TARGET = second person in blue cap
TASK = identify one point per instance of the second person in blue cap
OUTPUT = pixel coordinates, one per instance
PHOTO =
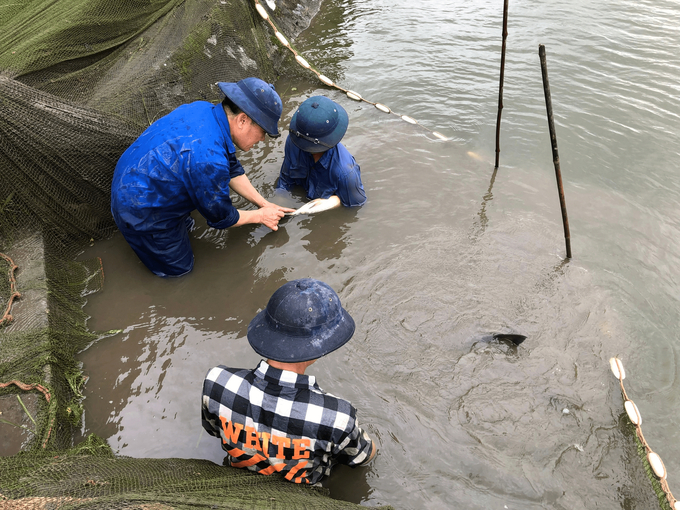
(316, 160)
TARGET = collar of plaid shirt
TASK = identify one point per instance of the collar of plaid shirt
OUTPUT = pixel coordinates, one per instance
(285, 377)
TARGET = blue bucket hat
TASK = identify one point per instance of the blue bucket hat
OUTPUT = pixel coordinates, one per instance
(304, 320)
(258, 100)
(318, 124)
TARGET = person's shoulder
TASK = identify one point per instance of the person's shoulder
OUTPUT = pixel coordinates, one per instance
(337, 404)
(343, 167)
(196, 105)
(339, 415)
(195, 108)
(343, 152)
(221, 373)
(343, 159)
(180, 118)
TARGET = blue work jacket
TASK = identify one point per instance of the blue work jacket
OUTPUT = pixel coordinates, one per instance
(183, 161)
(336, 173)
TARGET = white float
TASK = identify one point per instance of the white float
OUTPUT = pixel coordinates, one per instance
(633, 412)
(261, 11)
(326, 80)
(408, 119)
(617, 368)
(439, 135)
(281, 38)
(382, 108)
(657, 465)
(354, 95)
(302, 61)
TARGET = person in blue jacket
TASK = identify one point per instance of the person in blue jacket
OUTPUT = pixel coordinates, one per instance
(316, 160)
(186, 161)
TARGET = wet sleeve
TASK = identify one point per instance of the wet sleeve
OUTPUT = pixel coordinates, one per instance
(209, 422)
(208, 186)
(356, 448)
(208, 419)
(350, 188)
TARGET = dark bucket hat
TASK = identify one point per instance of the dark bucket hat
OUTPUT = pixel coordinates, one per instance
(318, 124)
(304, 320)
(258, 100)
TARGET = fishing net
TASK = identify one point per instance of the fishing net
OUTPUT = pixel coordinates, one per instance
(91, 477)
(79, 81)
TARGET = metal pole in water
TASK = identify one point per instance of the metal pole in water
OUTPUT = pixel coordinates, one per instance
(553, 141)
(500, 88)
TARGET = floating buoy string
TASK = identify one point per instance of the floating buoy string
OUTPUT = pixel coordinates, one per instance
(635, 417)
(328, 82)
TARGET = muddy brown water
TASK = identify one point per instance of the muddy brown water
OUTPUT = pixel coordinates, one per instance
(441, 256)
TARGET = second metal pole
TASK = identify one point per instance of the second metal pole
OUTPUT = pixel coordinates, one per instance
(500, 87)
(553, 141)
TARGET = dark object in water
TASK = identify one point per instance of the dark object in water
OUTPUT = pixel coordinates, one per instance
(510, 337)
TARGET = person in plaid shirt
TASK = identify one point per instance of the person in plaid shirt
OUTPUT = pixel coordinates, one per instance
(275, 418)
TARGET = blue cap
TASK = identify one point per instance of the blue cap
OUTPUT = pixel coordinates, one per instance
(318, 124)
(258, 100)
(304, 320)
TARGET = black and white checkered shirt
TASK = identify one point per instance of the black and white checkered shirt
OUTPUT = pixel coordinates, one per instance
(273, 420)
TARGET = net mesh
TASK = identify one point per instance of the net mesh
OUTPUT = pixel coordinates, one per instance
(91, 477)
(79, 81)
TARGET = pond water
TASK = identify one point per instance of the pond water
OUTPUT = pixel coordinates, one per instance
(445, 253)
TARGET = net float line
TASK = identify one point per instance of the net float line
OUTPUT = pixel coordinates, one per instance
(328, 82)
(14, 294)
(635, 417)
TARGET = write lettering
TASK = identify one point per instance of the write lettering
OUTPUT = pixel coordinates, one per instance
(261, 441)
(251, 439)
(281, 442)
(300, 448)
(231, 431)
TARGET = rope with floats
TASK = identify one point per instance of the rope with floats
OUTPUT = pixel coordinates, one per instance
(633, 413)
(327, 81)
